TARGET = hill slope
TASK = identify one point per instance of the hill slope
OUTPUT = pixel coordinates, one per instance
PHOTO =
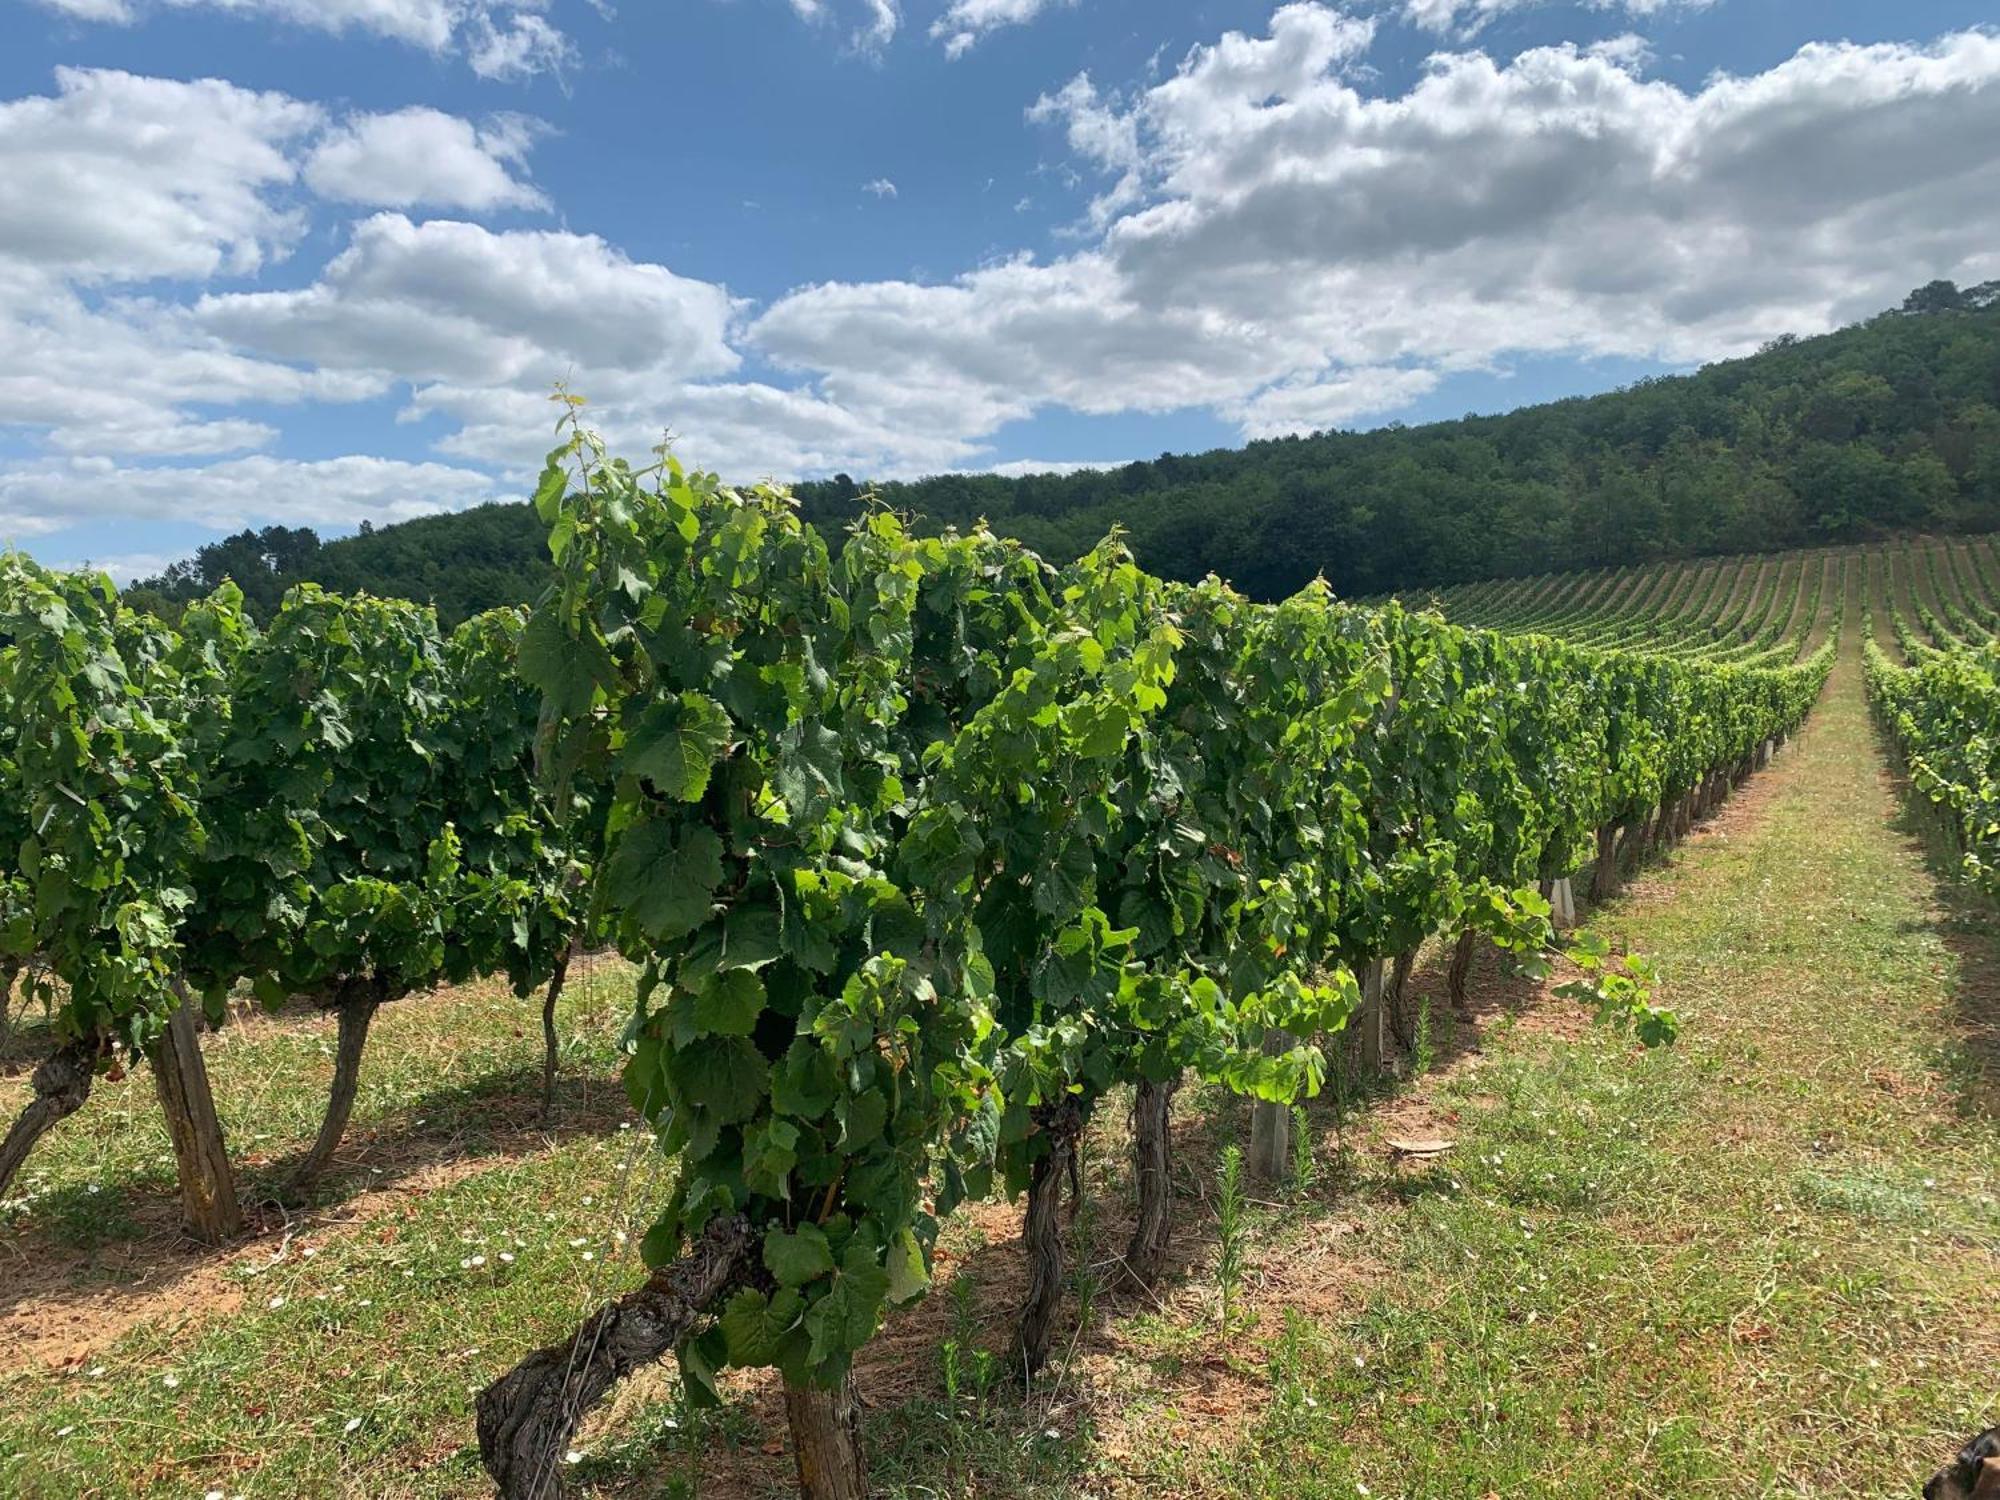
(1886, 426)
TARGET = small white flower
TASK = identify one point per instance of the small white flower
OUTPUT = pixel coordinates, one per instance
(1051, 1433)
(310, 1251)
(479, 1260)
(579, 1243)
(170, 1381)
(213, 1495)
(590, 1255)
(353, 1425)
(572, 1457)
(506, 1258)
(95, 1370)
(275, 1302)
(64, 1431)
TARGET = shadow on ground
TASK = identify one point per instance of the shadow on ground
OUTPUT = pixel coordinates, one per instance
(1968, 924)
(137, 1247)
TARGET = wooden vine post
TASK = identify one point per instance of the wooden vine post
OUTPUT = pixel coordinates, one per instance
(1372, 1044)
(1270, 1157)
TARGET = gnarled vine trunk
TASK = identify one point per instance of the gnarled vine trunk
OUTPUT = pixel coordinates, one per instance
(826, 1441)
(1061, 1125)
(61, 1083)
(550, 1041)
(528, 1416)
(10, 973)
(1460, 972)
(209, 1210)
(1153, 1173)
(1631, 840)
(1604, 875)
(1401, 1022)
(355, 1010)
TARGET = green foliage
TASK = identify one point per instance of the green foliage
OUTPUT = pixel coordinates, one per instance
(1943, 712)
(344, 799)
(103, 803)
(925, 845)
(1305, 1160)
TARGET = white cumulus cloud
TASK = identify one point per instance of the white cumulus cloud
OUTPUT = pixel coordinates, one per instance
(116, 182)
(874, 23)
(1280, 245)
(498, 38)
(1270, 235)
(118, 177)
(424, 156)
(966, 21)
(259, 489)
(1468, 17)
(454, 301)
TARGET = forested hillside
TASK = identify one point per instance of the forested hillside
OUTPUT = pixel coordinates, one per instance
(1890, 425)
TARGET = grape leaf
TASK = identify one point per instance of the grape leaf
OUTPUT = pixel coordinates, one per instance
(676, 743)
(664, 876)
(567, 667)
(798, 1257)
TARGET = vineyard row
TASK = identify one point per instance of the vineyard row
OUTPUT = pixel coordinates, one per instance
(924, 848)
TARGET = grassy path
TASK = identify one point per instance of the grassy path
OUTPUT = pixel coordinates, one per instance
(1765, 1263)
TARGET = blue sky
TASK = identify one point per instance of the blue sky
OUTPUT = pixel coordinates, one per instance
(319, 261)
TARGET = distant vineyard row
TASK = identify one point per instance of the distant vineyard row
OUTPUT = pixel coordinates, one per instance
(1929, 614)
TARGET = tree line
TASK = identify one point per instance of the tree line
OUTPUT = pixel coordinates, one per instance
(1887, 426)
